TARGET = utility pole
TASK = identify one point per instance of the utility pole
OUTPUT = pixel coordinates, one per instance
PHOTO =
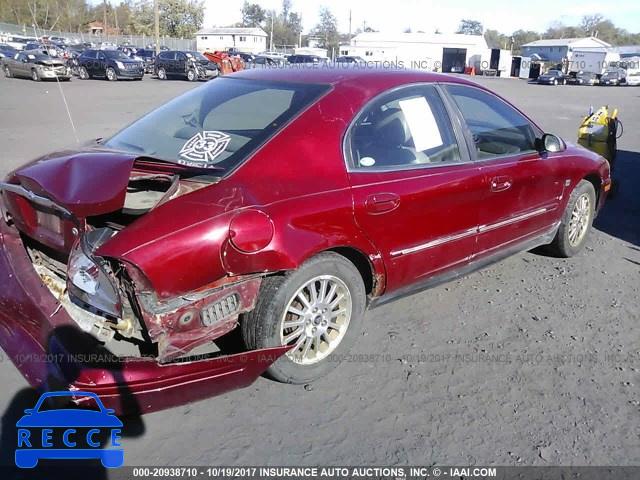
(157, 26)
(104, 19)
(271, 41)
(349, 25)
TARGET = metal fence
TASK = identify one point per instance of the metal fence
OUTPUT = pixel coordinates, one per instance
(139, 41)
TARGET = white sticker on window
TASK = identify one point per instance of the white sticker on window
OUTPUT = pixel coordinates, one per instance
(31, 56)
(204, 147)
(422, 123)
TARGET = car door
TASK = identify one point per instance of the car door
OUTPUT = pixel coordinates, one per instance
(414, 187)
(101, 65)
(523, 189)
(18, 65)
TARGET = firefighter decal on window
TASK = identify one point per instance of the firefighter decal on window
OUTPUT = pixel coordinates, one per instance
(204, 148)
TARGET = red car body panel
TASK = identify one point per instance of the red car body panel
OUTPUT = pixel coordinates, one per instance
(45, 344)
(291, 199)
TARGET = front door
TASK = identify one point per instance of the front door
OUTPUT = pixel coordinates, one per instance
(523, 189)
(414, 187)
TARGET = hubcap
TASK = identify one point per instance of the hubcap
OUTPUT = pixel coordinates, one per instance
(110, 74)
(580, 216)
(316, 319)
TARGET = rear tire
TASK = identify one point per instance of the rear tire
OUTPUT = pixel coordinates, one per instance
(7, 72)
(576, 221)
(339, 303)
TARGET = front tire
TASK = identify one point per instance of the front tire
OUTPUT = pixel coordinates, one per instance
(162, 73)
(576, 221)
(83, 73)
(111, 74)
(192, 76)
(35, 76)
(318, 309)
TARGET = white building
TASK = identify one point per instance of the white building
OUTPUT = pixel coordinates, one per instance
(558, 49)
(420, 50)
(248, 40)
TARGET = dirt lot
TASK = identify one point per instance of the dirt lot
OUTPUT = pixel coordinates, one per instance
(534, 361)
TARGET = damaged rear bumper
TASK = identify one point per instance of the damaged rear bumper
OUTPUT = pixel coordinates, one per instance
(52, 353)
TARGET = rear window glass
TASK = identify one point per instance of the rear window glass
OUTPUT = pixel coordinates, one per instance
(219, 124)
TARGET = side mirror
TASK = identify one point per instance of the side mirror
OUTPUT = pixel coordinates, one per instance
(549, 144)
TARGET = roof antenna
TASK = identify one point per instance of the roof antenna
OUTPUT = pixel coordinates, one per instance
(64, 99)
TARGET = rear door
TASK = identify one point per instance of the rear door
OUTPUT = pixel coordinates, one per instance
(413, 184)
(522, 188)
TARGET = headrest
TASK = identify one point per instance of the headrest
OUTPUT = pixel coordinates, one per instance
(390, 127)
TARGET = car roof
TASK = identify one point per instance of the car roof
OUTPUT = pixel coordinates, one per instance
(336, 75)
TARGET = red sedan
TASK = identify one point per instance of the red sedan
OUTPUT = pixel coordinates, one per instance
(282, 202)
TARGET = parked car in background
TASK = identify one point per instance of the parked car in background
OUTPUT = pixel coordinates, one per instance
(553, 77)
(36, 66)
(246, 57)
(264, 61)
(7, 50)
(585, 78)
(307, 59)
(633, 77)
(184, 64)
(350, 59)
(614, 77)
(148, 57)
(201, 218)
(110, 64)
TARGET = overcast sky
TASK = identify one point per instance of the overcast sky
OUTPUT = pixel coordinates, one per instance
(427, 15)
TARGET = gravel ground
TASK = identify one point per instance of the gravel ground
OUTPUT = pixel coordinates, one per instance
(534, 361)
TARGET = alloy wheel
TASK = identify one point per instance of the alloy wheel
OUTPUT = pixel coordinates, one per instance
(580, 217)
(316, 319)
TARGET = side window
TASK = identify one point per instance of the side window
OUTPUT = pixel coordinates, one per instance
(497, 128)
(405, 128)
(101, 56)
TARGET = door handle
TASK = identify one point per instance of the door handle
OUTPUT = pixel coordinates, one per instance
(501, 183)
(381, 202)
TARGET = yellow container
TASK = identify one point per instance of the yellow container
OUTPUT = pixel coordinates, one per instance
(598, 133)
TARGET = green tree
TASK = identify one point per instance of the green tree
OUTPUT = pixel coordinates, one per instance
(253, 15)
(181, 18)
(327, 29)
(470, 27)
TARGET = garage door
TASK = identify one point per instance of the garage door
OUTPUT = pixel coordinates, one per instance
(453, 57)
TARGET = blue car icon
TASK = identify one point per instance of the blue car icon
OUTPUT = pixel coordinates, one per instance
(38, 429)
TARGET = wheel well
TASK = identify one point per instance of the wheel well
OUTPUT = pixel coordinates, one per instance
(594, 179)
(360, 261)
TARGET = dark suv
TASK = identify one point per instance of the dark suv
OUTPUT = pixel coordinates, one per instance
(297, 59)
(110, 64)
(148, 56)
(185, 64)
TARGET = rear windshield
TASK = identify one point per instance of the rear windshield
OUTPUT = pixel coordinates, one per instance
(219, 124)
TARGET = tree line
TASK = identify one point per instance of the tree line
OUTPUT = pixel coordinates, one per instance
(596, 25)
(178, 18)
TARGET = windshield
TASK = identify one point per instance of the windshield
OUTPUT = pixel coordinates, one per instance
(116, 54)
(198, 56)
(217, 125)
(554, 73)
(610, 74)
